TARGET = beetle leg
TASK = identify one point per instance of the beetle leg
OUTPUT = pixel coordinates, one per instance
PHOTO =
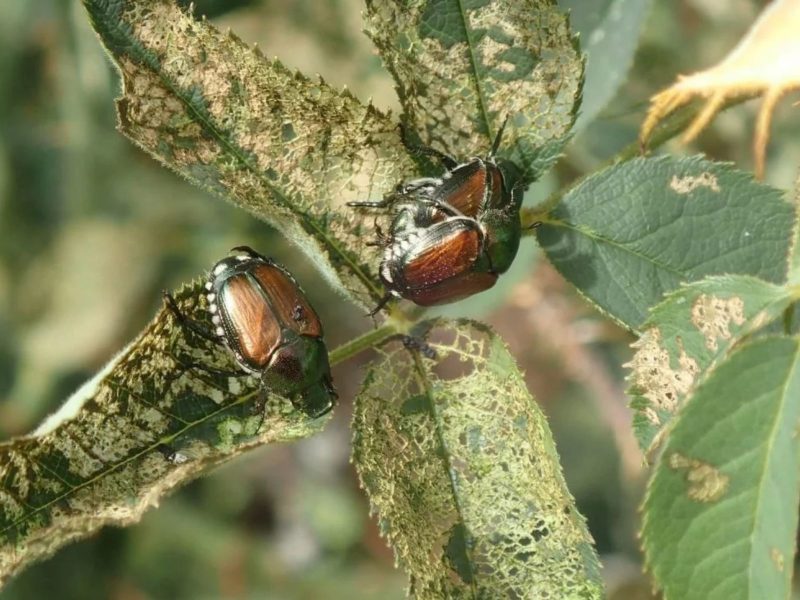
(483, 251)
(498, 137)
(213, 371)
(446, 208)
(372, 203)
(381, 303)
(260, 406)
(412, 342)
(447, 161)
(331, 388)
(184, 321)
(172, 305)
(379, 232)
(382, 240)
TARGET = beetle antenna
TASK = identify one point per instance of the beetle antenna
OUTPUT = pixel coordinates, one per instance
(498, 137)
(172, 306)
(447, 161)
(369, 203)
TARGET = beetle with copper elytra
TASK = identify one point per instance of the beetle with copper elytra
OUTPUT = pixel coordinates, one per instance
(451, 236)
(262, 315)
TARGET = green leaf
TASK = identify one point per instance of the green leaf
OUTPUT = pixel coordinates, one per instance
(460, 466)
(686, 335)
(168, 408)
(794, 258)
(609, 34)
(634, 231)
(720, 518)
(462, 67)
(290, 150)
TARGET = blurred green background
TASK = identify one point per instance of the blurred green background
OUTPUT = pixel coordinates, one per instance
(92, 229)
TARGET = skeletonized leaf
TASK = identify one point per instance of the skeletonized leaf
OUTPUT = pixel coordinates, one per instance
(686, 335)
(169, 407)
(720, 518)
(290, 150)
(461, 67)
(460, 466)
(629, 234)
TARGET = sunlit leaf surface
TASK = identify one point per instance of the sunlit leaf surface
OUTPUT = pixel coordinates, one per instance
(461, 68)
(460, 466)
(720, 518)
(629, 234)
(686, 335)
(169, 407)
(290, 150)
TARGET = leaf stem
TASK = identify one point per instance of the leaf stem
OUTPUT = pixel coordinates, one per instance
(363, 342)
(446, 456)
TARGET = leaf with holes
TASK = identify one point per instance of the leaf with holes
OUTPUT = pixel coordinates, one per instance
(460, 466)
(168, 408)
(629, 234)
(461, 67)
(720, 517)
(686, 335)
(290, 150)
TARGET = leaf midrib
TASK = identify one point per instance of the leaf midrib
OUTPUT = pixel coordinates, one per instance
(234, 150)
(422, 374)
(114, 467)
(474, 63)
(591, 234)
(767, 454)
(277, 193)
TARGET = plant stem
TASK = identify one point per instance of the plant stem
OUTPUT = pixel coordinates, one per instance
(362, 342)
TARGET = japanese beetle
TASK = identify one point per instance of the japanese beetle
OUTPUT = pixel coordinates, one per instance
(451, 236)
(262, 315)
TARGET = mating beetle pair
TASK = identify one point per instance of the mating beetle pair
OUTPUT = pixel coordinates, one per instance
(451, 236)
(262, 315)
